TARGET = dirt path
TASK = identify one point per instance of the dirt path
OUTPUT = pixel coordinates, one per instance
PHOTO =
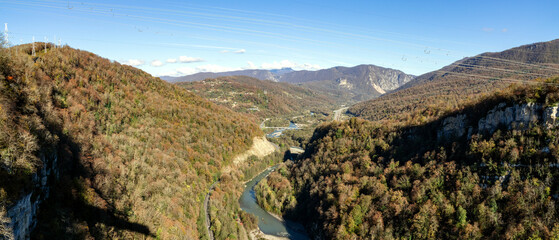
(338, 113)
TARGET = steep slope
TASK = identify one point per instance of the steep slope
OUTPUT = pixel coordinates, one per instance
(486, 171)
(262, 98)
(464, 80)
(135, 155)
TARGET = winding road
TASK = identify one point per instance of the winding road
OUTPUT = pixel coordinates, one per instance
(338, 113)
(206, 203)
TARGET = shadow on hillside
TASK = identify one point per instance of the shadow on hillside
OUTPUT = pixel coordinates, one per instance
(69, 213)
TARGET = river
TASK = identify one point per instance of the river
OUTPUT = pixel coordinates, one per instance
(277, 132)
(267, 223)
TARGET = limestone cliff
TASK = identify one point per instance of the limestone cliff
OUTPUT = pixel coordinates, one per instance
(23, 213)
(515, 116)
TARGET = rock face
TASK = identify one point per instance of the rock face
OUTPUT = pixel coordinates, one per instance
(517, 116)
(550, 116)
(453, 127)
(24, 212)
(261, 147)
(387, 79)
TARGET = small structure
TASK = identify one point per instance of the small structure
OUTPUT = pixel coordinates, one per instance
(294, 152)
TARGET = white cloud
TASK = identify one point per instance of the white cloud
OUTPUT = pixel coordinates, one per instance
(308, 66)
(289, 64)
(240, 51)
(215, 68)
(134, 62)
(185, 59)
(171, 60)
(156, 63)
(250, 65)
(182, 71)
(487, 29)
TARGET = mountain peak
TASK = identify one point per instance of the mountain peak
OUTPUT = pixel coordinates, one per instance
(465, 79)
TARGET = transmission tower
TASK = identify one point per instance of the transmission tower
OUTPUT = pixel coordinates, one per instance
(33, 51)
(46, 40)
(6, 33)
(6, 39)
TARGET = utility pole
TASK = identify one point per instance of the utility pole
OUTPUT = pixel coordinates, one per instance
(6, 33)
(33, 51)
(46, 40)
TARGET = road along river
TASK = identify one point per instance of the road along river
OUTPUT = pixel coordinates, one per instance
(267, 223)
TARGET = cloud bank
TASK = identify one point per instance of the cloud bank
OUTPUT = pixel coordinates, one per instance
(156, 63)
(187, 70)
(134, 62)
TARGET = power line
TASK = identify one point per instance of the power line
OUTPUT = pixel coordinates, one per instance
(234, 29)
(518, 63)
(498, 69)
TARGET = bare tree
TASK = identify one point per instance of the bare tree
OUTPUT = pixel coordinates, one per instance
(5, 231)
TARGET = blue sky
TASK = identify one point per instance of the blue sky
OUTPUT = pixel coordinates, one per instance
(185, 37)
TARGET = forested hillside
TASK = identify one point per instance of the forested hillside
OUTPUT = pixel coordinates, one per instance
(136, 155)
(463, 81)
(260, 97)
(488, 170)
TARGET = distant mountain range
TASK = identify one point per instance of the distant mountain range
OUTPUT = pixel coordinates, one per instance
(464, 81)
(255, 73)
(357, 83)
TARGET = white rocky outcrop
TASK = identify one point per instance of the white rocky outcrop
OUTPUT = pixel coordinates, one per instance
(550, 115)
(23, 213)
(342, 82)
(387, 79)
(517, 116)
(261, 147)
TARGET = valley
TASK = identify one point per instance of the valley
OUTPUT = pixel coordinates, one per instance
(250, 120)
(399, 143)
(243, 196)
